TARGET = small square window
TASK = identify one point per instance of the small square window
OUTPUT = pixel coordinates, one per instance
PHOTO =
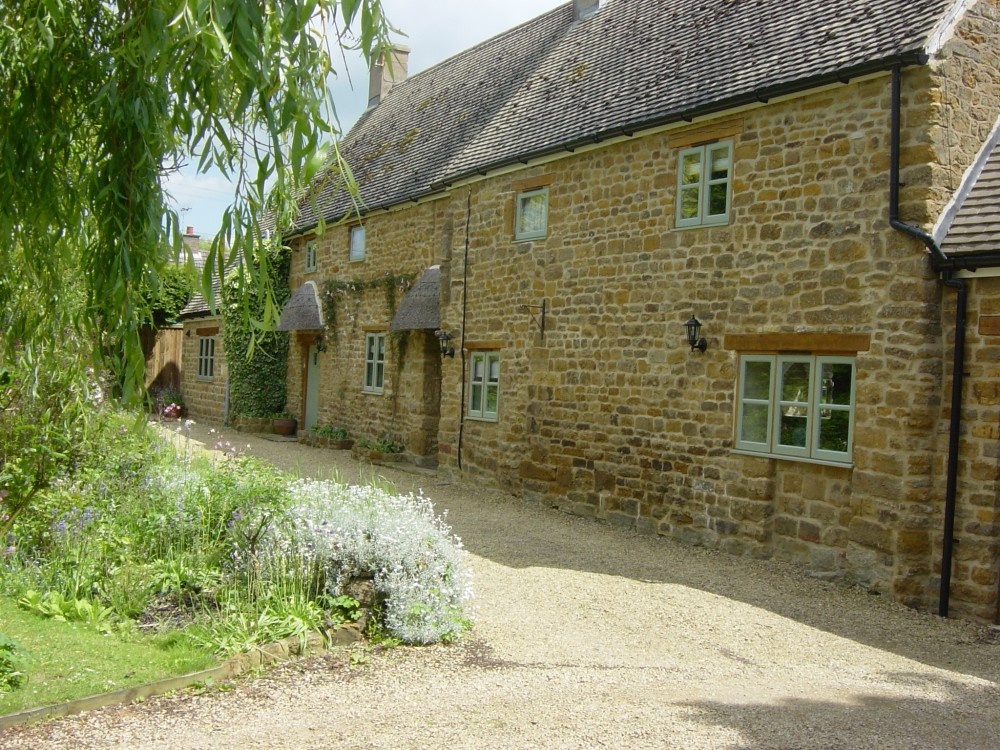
(357, 243)
(374, 363)
(532, 219)
(484, 386)
(704, 184)
(310, 256)
(206, 357)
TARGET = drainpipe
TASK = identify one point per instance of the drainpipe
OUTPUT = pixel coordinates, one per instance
(465, 309)
(941, 264)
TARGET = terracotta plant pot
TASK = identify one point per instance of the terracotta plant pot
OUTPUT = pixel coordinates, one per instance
(284, 426)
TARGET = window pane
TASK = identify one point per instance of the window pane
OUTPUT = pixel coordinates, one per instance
(794, 429)
(381, 347)
(476, 401)
(717, 199)
(691, 168)
(533, 210)
(494, 369)
(477, 367)
(370, 348)
(834, 429)
(357, 243)
(837, 379)
(689, 203)
(795, 382)
(754, 424)
(492, 395)
(719, 158)
(757, 380)
(379, 375)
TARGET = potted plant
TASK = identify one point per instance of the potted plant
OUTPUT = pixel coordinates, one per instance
(170, 403)
(329, 436)
(283, 423)
(384, 450)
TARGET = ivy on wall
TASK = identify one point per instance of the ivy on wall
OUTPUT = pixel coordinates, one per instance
(335, 290)
(257, 360)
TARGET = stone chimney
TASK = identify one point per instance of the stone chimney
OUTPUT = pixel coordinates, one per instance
(585, 8)
(382, 77)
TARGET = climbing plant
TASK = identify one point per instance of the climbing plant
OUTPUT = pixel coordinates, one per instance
(257, 359)
(337, 290)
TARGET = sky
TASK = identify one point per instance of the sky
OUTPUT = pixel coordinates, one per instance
(434, 30)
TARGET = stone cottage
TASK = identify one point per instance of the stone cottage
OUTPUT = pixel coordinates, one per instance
(719, 271)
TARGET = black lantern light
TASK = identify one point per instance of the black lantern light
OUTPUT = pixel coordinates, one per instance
(695, 338)
(447, 350)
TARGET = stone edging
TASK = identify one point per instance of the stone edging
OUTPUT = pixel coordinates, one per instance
(233, 667)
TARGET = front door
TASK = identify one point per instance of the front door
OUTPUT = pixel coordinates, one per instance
(312, 387)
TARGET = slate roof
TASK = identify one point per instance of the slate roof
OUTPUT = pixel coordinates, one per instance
(421, 307)
(198, 307)
(976, 227)
(552, 84)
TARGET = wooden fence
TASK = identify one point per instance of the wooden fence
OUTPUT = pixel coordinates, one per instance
(162, 349)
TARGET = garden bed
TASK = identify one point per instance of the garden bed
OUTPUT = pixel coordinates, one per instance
(318, 441)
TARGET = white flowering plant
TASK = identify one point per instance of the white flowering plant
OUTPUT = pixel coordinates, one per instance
(415, 563)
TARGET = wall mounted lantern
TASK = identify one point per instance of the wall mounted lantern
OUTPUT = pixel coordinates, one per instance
(320, 342)
(695, 338)
(447, 350)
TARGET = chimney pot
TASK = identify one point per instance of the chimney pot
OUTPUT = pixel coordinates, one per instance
(381, 79)
(585, 8)
(190, 230)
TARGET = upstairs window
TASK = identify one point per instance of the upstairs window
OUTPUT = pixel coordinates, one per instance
(484, 386)
(357, 243)
(206, 357)
(310, 256)
(704, 184)
(532, 220)
(796, 406)
(374, 363)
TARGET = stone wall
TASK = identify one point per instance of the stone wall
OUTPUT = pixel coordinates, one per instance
(976, 569)
(204, 399)
(398, 243)
(609, 415)
(966, 80)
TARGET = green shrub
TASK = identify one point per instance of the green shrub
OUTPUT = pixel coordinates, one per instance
(416, 565)
(256, 359)
(13, 664)
(330, 432)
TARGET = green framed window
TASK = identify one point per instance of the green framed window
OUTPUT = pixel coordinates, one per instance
(796, 406)
(484, 386)
(206, 357)
(310, 256)
(358, 249)
(532, 220)
(704, 184)
(374, 363)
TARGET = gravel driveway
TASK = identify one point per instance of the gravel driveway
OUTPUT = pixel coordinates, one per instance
(591, 637)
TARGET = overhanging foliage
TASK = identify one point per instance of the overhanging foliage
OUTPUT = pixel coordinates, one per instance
(103, 98)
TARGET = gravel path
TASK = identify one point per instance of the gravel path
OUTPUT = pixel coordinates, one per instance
(591, 637)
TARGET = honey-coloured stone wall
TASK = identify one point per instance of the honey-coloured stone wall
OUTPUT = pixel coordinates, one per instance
(204, 399)
(398, 244)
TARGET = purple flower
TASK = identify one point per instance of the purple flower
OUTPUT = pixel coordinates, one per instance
(8, 551)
